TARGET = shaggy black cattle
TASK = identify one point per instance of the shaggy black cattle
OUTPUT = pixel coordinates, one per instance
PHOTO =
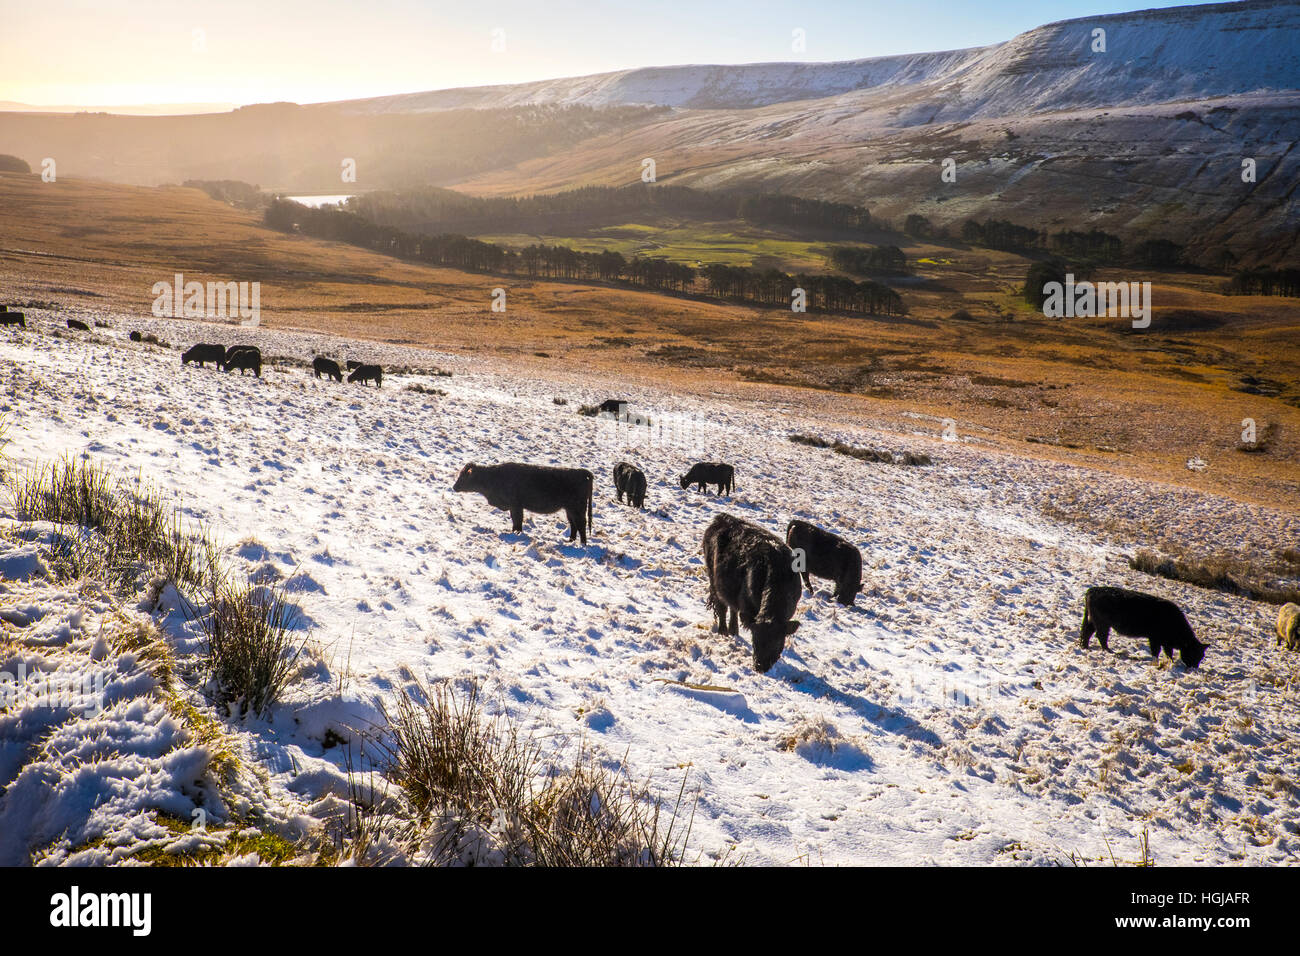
(136, 337)
(78, 326)
(629, 480)
(751, 575)
(13, 318)
(610, 406)
(367, 373)
(320, 365)
(518, 488)
(707, 473)
(827, 556)
(204, 352)
(1135, 614)
(246, 358)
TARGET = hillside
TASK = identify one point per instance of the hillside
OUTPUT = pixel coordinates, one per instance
(1198, 52)
(1087, 391)
(949, 717)
(1144, 140)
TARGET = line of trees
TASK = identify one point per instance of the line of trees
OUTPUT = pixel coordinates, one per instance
(1094, 247)
(876, 261)
(436, 209)
(824, 293)
(1264, 282)
(763, 286)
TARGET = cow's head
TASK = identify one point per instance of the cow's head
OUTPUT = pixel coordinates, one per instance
(851, 585)
(769, 641)
(467, 480)
(1192, 653)
(684, 480)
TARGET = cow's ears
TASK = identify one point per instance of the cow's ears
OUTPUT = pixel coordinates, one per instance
(791, 627)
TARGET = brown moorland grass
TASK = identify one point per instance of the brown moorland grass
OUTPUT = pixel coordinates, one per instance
(1088, 391)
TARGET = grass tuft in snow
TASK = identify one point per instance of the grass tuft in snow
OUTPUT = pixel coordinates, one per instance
(112, 529)
(862, 454)
(481, 791)
(1226, 573)
(252, 651)
(123, 533)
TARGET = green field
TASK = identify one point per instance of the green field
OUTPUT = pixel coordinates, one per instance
(730, 242)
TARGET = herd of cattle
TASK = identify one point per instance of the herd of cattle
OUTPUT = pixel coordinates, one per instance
(249, 358)
(753, 576)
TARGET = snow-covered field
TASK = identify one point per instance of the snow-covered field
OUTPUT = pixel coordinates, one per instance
(948, 718)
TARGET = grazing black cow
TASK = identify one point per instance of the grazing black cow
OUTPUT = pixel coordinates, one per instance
(518, 488)
(629, 480)
(610, 406)
(205, 352)
(367, 373)
(246, 358)
(751, 575)
(827, 556)
(13, 318)
(707, 473)
(1135, 614)
(78, 326)
(136, 337)
(320, 365)
(353, 365)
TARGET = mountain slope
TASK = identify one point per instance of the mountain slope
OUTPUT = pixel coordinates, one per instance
(1151, 56)
(1146, 139)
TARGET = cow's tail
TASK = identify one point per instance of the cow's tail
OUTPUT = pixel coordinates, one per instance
(591, 486)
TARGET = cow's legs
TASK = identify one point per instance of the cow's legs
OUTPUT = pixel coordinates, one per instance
(577, 522)
(1155, 646)
(807, 581)
(734, 629)
(719, 614)
(516, 519)
(1086, 632)
(1103, 637)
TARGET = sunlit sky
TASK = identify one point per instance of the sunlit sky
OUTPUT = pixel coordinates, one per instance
(102, 52)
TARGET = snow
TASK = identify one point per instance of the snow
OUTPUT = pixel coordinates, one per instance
(949, 717)
(1152, 56)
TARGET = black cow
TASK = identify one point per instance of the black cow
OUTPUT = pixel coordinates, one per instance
(13, 318)
(136, 337)
(246, 358)
(78, 326)
(751, 575)
(518, 488)
(827, 556)
(707, 473)
(629, 480)
(204, 352)
(611, 405)
(1135, 614)
(367, 373)
(320, 365)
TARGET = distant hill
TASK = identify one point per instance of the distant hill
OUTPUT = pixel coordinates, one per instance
(1145, 139)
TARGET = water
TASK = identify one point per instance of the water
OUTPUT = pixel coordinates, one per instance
(317, 201)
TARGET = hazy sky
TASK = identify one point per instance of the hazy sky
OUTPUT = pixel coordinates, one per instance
(118, 52)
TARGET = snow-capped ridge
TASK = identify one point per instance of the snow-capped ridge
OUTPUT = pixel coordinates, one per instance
(1150, 56)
